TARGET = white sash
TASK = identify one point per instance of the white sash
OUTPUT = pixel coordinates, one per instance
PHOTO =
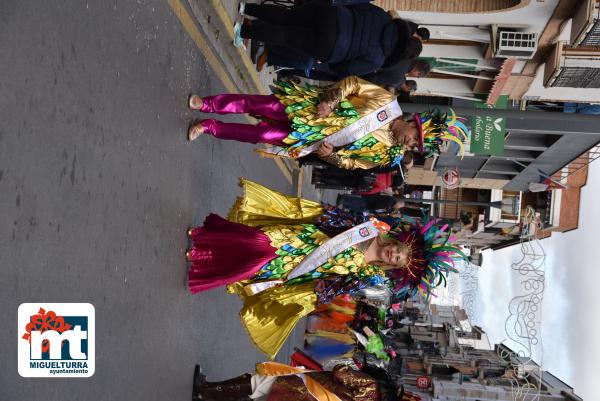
(352, 133)
(319, 256)
(334, 246)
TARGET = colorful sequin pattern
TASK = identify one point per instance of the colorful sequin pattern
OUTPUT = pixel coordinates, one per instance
(293, 243)
(308, 128)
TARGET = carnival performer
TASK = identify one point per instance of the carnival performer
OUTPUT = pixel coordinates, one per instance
(279, 382)
(273, 255)
(353, 124)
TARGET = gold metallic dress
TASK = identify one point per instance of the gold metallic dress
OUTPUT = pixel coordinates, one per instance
(260, 206)
(270, 316)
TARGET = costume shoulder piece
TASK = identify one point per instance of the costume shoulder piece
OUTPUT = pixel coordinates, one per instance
(301, 107)
(372, 150)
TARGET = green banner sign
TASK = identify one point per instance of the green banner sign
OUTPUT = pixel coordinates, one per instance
(487, 133)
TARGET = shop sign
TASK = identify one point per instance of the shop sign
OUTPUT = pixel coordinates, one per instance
(487, 133)
(423, 382)
(451, 178)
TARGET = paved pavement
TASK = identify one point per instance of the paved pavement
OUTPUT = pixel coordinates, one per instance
(98, 185)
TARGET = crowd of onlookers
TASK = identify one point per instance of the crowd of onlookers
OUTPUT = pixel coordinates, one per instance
(322, 42)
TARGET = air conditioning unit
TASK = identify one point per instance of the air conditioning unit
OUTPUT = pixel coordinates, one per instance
(510, 42)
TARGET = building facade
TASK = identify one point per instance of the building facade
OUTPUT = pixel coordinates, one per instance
(538, 54)
(528, 50)
(445, 359)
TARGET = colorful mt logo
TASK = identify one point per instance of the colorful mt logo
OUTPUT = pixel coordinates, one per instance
(56, 340)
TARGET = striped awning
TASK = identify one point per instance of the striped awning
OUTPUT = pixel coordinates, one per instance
(500, 80)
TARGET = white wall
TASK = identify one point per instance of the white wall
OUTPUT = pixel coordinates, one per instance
(468, 52)
(535, 15)
(475, 27)
(459, 33)
(459, 86)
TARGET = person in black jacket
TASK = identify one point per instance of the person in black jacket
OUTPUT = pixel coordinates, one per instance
(405, 52)
(352, 40)
(396, 75)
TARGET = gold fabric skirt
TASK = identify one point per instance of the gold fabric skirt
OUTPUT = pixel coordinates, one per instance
(271, 315)
(261, 206)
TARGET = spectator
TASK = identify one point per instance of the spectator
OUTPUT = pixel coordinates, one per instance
(396, 75)
(353, 40)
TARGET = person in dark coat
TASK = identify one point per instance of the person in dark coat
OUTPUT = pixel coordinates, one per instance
(403, 53)
(352, 40)
(396, 75)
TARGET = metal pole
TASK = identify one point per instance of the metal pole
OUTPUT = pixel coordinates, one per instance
(430, 93)
(475, 65)
(507, 113)
(539, 171)
(462, 74)
(497, 204)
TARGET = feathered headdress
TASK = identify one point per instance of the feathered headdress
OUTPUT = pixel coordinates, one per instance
(436, 127)
(432, 256)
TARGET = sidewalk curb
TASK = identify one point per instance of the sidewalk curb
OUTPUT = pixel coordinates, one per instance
(243, 56)
(216, 25)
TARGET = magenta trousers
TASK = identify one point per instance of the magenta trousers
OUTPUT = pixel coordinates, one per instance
(272, 130)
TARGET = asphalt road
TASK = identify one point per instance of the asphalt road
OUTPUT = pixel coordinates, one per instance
(98, 185)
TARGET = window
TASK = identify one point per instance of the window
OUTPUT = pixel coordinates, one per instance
(592, 38)
(511, 205)
(516, 44)
(578, 77)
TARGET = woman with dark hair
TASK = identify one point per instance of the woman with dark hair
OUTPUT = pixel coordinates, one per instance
(353, 40)
(413, 50)
(422, 33)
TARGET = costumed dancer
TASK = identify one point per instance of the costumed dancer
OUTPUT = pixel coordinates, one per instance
(352, 124)
(327, 330)
(278, 261)
(278, 382)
